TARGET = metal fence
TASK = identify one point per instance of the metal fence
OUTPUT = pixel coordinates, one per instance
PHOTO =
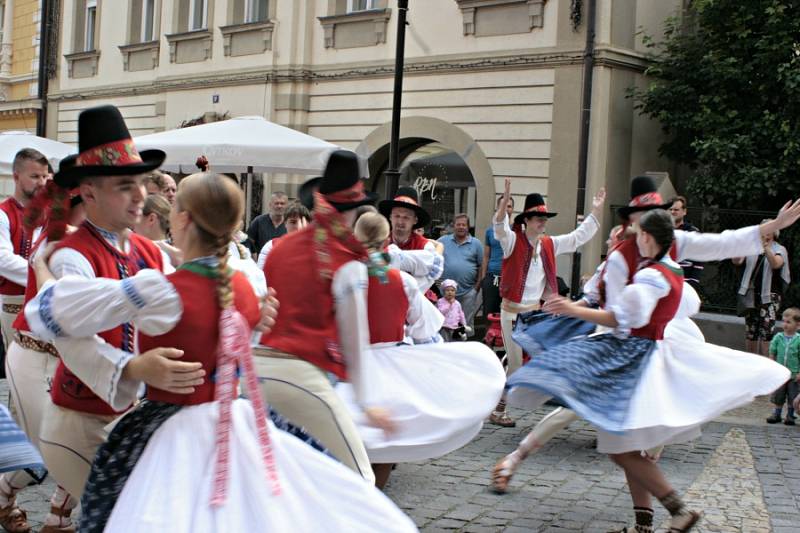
(720, 279)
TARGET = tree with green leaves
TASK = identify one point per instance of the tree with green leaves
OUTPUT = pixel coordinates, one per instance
(725, 86)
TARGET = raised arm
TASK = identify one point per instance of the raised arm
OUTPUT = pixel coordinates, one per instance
(502, 229)
(567, 244)
(734, 244)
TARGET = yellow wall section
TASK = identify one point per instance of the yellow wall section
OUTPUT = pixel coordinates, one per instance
(25, 29)
(25, 122)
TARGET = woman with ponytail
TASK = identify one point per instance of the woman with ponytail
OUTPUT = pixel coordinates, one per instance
(640, 388)
(191, 457)
(437, 395)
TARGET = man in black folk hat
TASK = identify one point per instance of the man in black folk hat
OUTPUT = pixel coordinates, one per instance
(529, 267)
(320, 328)
(97, 379)
(409, 251)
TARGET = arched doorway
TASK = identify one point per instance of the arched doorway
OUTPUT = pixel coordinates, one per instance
(448, 167)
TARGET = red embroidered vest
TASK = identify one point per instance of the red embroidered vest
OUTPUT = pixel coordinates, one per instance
(67, 390)
(19, 240)
(415, 242)
(515, 267)
(197, 332)
(630, 253)
(666, 307)
(306, 323)
(387, 307)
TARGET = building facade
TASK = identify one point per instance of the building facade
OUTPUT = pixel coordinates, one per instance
(492, 89)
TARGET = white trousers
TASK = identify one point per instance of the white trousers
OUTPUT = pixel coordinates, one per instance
(29, 374)
(69, 441)
(513, 350)
(302, 393)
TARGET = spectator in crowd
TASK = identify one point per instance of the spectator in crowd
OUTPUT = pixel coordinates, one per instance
(761, 290)
(158, 182)
(297, 218)
(170, 189)
(266, 227)
(463, 263)
(492, 266)
(785, 349)
(454, 319)
(692, 270)
(154, 222)
(154, 182)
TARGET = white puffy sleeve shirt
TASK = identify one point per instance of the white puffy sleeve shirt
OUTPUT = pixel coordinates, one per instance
(691, 245)
(426, 265)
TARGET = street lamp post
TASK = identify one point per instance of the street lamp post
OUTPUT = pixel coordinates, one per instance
(392, 173)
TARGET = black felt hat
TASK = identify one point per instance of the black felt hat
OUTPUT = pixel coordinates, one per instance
(535, 206)
(341, 183)
(106, 149)
(644, 197)
(408, 198)
(306, 193)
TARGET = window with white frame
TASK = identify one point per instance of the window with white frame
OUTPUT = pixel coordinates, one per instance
(354, 6)
(91, 23)
(198, 14)
(255, 10)
(148, 21)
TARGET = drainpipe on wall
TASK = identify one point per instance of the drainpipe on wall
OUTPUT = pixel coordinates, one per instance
(44, 66)
(586, 120)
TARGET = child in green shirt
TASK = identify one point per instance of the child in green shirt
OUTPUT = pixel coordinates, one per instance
(785, 349)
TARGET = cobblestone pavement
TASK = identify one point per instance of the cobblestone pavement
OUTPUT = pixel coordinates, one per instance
(743, 473)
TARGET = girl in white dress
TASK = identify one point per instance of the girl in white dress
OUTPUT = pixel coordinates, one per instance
(619, 380)
(436, 394)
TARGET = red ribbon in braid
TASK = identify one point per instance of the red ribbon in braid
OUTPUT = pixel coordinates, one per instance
(234, 349)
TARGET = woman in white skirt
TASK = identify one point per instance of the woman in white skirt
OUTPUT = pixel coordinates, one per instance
(193, 458)
(618, 381)
(436, 394)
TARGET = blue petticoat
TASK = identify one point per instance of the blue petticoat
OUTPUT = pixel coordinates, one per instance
(538, 332)
(16, 451)
(594, 376)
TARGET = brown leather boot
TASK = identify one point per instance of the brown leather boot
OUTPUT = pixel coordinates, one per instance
(13, 519)
(63, 515)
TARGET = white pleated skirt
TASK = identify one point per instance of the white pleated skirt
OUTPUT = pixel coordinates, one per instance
(438, 395)
(170, 487)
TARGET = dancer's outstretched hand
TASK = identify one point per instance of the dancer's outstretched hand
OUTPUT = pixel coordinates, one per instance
(380, 418)
(558, 305)
(269, 311)
(788, 214)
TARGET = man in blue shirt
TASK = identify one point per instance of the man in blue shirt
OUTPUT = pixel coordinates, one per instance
(493, 266)
(463, 262)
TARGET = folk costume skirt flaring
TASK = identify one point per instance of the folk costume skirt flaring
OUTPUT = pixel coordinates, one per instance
(170, 486)
(642, 393)
(438, 395)
(537, 331)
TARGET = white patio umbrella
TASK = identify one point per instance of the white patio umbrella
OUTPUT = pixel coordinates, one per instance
(12, 142)
(240, 145)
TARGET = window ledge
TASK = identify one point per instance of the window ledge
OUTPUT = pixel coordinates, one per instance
(199, 37)
(264, 27)
(468, 7)
(127, 49)
(380, 17)
(82, 64)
